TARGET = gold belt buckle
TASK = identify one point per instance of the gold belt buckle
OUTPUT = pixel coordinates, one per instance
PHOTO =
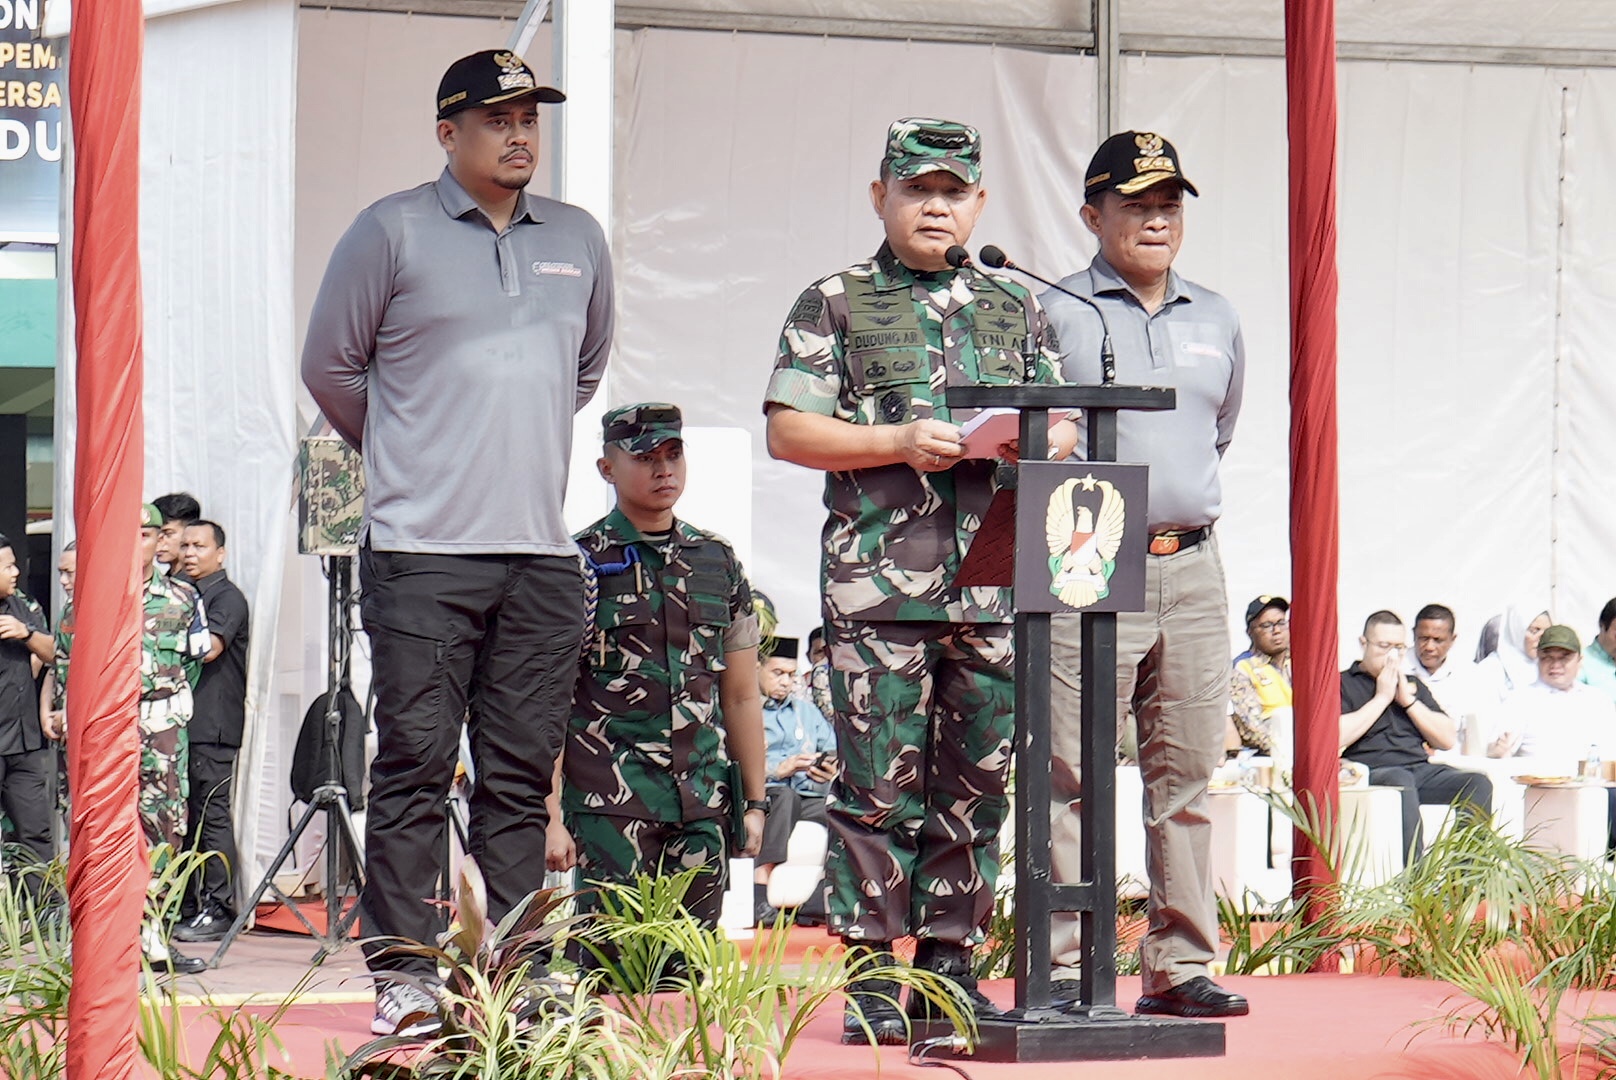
(1163, 545)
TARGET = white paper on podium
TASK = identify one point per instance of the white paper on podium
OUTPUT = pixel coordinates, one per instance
(984, 433)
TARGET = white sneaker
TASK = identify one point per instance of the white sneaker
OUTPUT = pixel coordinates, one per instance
(405, 1009)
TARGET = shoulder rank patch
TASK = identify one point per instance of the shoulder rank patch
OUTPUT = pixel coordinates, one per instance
(810, 306)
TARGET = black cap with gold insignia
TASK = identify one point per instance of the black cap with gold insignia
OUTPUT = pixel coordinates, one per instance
(488, 78)
(1131, 161)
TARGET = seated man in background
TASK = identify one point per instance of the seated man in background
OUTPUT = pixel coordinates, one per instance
(1599, 662)
(1556, 719)
(1260, 686)
(1390, 722)
(800, 759)
(1450, 678)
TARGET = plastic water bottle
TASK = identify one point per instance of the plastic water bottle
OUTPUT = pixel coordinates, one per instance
(1591, 765)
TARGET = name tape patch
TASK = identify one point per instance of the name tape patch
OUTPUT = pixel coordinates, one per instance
(564, 269)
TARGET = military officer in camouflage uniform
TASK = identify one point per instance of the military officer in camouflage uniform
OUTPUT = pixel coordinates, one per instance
(173, 640)
(667, 694)
(921, 682)
(170, 663)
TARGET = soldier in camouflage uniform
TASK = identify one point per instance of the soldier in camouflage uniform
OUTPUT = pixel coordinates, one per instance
(173, 639)
(921, 682)
(667, 695)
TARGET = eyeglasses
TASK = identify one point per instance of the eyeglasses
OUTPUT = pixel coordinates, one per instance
(1270, 627)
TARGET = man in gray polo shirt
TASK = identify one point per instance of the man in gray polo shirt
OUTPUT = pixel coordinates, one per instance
(1173, 658)
(459, 327)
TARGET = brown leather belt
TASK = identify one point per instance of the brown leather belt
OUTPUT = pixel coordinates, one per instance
(1172, 543)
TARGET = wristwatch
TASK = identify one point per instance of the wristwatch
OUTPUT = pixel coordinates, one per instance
(757, 804)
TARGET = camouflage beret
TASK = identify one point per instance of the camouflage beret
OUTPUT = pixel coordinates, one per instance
(641, 427)
(916, 145)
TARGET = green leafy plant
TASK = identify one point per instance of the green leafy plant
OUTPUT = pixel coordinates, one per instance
(35, 967)
(729, 1015)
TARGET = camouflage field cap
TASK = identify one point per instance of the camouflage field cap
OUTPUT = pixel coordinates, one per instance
(916, 145)
(1130, 161)
(1559, 637)
(150, 516)
(642, 427)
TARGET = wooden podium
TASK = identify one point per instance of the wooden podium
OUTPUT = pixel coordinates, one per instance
(1093, 1028)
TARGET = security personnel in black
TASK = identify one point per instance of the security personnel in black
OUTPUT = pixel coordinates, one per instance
(215, 731)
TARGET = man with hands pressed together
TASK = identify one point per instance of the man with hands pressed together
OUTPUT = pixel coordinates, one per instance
(921, 670)
(666, 697)
(1388, 720)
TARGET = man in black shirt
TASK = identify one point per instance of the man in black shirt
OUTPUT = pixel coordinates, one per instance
(215, 730)
(1390, 722)
(25, 756)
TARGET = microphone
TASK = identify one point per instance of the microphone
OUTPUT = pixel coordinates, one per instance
(995, 257)
(959, 259)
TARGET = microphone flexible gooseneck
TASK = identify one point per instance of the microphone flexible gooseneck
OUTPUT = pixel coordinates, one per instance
(959, 259)
(994, 256)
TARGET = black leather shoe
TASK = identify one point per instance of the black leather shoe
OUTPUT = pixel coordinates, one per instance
(203, 926)
(177, 963)
(871, 1015)
(1200, 997)
(952, 962)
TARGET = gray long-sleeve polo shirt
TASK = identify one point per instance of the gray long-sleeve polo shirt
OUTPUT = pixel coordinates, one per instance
(454, 358)
(1193, 344)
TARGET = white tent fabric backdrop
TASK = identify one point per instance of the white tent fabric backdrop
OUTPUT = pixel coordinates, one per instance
(1466, 321)
(216, 265)
(1476, 279)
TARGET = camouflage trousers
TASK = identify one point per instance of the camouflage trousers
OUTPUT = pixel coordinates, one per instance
(619, 849)
(165, 768)
(924, 717)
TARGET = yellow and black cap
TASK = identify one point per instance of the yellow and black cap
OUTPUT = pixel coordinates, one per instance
(642, 427)
(1131, 161)
(488, 78)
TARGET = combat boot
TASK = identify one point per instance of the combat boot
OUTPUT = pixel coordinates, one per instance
(871, 1015)
(953, 962)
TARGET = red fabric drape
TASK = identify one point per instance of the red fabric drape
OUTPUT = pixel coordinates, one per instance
(107, 874)
(1315, 640)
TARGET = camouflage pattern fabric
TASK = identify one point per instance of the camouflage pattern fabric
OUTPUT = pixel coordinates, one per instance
(173, 640)
(331, 496)
(617, 850)
(917, 145)
(819, 689)
(924, 722)
(878, 344)
(165, 767)
(645, 739)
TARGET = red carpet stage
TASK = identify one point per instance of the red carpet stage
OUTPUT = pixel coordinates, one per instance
(1316, 1027)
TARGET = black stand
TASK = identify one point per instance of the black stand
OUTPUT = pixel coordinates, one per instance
(330, 798)
(1094, 1028)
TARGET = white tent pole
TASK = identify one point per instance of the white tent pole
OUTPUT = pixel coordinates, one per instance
(533, 13)
(583, 38)
(1107, 62)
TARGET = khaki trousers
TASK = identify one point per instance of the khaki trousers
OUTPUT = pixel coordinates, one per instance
(1173, 665)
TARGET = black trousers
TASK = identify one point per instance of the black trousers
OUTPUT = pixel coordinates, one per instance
(25, 794)
(490, 638)
(787, 806)
(1432, 784)
(211, 829)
